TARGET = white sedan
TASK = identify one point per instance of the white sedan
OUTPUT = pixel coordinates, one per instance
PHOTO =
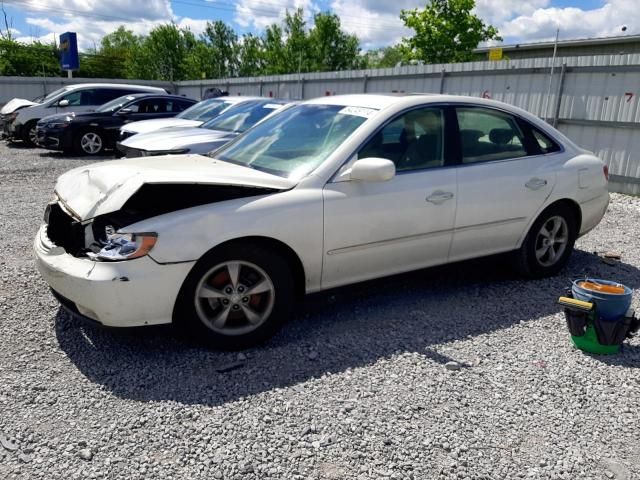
(330, 192)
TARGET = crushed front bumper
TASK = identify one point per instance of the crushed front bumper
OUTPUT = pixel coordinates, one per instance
(117, 294)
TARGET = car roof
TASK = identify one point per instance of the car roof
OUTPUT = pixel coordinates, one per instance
(382, 101)
(76, 86)
(155, 95)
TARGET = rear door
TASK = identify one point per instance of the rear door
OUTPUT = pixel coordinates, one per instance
(504, 178)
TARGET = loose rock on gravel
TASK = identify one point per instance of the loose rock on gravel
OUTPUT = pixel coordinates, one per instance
(355, 387)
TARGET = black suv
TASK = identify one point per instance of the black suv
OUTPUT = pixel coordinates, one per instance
(91, 133)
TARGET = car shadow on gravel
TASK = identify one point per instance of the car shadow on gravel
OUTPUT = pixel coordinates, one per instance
(334, 331)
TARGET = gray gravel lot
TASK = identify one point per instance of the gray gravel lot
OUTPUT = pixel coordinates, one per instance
(355, 387)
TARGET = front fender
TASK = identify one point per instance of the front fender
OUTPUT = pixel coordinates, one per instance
(293, 217)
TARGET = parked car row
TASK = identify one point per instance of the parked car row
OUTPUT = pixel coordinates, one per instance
(19, 117)
(161, 123)
(305, 197)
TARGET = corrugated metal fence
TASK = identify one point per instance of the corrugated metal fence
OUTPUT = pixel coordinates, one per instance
(593, 100)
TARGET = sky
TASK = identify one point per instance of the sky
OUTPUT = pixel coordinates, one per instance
(375, 22)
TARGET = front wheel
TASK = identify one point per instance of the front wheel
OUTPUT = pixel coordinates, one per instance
(236, 296)
(549, 243)
(30, 134)
(89, 143)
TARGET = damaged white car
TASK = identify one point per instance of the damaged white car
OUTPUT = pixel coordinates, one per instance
(329, 192)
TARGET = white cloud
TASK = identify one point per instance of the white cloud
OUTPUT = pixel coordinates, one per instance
(259, 14)
(111, 10)
(93, 19)
(573, 22)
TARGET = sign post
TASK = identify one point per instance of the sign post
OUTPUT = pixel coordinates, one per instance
(69, 59)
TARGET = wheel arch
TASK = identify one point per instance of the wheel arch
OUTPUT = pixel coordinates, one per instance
(572, 204)
(290, 255)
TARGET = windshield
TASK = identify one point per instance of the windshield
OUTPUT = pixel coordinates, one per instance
(243, 116)
(115, 104)
(296, 141)
(205, 110)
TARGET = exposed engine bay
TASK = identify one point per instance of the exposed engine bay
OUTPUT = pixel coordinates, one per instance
(100, 238)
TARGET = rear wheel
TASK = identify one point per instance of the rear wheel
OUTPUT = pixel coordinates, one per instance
(89, 142)
(236, 296)
(549, 243)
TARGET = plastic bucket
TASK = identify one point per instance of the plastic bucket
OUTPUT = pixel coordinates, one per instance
(611, 306)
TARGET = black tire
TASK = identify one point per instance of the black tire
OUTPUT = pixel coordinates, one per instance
(188, 305)
(527, 262)
(82, 149)
(26, 133)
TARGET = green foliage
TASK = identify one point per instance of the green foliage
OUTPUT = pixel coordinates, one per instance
(171, 53)
(445, 31)
(30, 60)
(386, 57)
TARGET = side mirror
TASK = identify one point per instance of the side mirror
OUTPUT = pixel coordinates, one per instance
(373, 170)
(125, 111)
(63, 103)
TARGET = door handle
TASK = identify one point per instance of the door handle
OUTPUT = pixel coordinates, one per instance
(439, 197)
(535, 183)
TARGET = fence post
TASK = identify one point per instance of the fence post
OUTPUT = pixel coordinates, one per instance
(365, 80)
(261, 84)
(301, 88)
(556, 112)
(442, 75)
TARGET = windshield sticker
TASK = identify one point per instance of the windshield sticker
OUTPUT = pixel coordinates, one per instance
(358, 111)
(272, 105)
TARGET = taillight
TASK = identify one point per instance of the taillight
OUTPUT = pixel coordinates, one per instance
(605, 170)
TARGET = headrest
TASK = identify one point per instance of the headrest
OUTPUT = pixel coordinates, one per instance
(501, 136)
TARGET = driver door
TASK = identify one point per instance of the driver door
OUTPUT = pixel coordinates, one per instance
(373, 229)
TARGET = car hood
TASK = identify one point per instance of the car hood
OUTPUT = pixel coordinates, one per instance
(145, 126)
(14, 104)
(175, 138)
(105, 187)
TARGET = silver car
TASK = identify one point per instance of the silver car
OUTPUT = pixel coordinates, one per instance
(192, 117)
(205, 138)
(82, 97)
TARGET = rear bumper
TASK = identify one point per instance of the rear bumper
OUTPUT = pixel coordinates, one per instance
(115, 294)
(592, 212)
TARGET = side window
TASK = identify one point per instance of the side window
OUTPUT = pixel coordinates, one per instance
(487, 135)
(136, 107)
(545, 143)
(74, 98)
(104, 95)
(179, 106)
(413, 141)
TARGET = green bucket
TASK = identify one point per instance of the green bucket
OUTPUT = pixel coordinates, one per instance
(589, 342)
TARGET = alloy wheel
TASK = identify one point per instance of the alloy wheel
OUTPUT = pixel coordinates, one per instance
(33, 135)
(91, 143)
(551, 241)
(234, 298)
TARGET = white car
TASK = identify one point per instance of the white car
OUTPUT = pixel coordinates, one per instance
(329, 192)
(192, 117)
(207, 137)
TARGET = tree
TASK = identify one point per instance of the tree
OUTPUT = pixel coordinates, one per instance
(385, 57)
(162, 54)
(445, 31)
(251, 56)
(223, 45)
(329, 48)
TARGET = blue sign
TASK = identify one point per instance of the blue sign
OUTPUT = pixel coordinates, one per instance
(69, 51)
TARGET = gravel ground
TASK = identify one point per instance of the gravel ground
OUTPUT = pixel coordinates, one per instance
(357, 386)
